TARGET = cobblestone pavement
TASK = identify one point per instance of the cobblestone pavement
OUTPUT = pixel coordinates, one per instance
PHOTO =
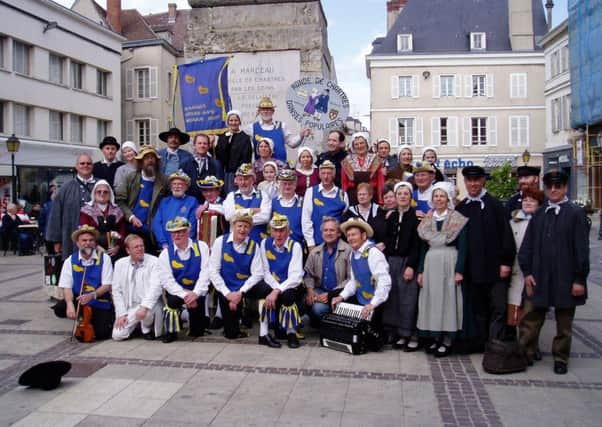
(212, 381)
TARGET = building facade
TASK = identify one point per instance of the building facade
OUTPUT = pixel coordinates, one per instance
(60, 91)
(465, 77)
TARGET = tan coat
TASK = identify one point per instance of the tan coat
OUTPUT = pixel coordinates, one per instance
(313, 266)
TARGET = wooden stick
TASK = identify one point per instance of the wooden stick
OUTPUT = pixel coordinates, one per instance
(81, 290)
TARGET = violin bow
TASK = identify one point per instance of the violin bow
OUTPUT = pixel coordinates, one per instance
(75, 321)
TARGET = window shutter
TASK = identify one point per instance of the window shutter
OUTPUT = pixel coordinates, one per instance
(394, 132)
(467, 132)
(492, 130)
(525, 90)
(129, 131)
(418, 132)
(513, 131)
(489, 85)
(154, 82)
(435, 131)
(452, 131)
(395, 87)
(525, 130)
(513, 79)
(458, 85)
(154, 131)
(129, 81)
(468, 86)
(436, 91)
(415, 87)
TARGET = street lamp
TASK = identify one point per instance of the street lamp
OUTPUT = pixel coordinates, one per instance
(12, 145)
(526, 156)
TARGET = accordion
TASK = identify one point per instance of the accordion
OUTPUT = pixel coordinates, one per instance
(210, 226)
(344, 330)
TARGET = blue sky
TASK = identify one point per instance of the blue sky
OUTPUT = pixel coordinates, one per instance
(352, 26)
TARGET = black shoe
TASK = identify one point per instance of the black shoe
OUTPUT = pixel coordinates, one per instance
(431, 349)
(293, 341)
(412, 346)
(149, 336)
(216, 323)
(169, 337)
(247, 322)
(537, 355)
(280, 334)
(401, 343)
(196, 334)
(269, 341)
(442, 350)
(560, 368)
(239, 334)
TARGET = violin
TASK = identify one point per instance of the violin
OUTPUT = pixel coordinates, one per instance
(84, 331)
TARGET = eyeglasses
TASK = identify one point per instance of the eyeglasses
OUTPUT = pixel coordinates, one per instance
(85, 163)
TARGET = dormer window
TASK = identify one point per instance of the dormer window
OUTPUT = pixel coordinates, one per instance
(478, 41)
(404, 43)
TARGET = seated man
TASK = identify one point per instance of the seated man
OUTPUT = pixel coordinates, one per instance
(86, 277)
(370, 282)
(282, 260)
(326, 270)
(184, 274)
(136, 292)
(250, 201)
(236, 271)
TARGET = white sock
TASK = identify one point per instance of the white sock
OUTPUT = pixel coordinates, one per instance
(263, 328)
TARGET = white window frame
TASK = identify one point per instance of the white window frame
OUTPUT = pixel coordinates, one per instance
(132, 130)
(447, 85)
(411, 91)
(56, 68)
(518, 131)
(478, 41)
(21, 120)
(489, 132)
(76, 127)
(102, 82)
(451, 131)
(21, 57)
(56, 122)
(133, 86)
(76, 74)
(518, 85)
(413, 139)
(405, 43)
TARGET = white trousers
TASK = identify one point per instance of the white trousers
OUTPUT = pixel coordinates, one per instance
(154, 318)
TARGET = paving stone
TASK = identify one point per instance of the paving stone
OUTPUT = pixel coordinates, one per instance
(49, 419)
(28, 344)
(362, 395)
(102, 421)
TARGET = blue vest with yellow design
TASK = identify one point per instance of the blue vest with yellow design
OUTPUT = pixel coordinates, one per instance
(259, 231)
(92, 280)
(276, 135)
(325, 206)
(186, 272)
(279, 261)
(236, 267)
(364, 281)
(142, 207)
(293, 213)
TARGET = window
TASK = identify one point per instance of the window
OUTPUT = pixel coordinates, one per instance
(564, 63)
(566, 109)
(77, 75)
(555, 63)
(478, 130)
(102, 129)
(2, 51)
(519, 130)
(56, 67)
(405, 86)
(443, 129)
(518, 85)
(478, 85)
(21, 120)
(2, 112)
(102, 79)
(404, 43)
(77, 128)
(406, 131)
(21, 53)
(56, 125)
(143, 83)
(143, 131)
(556, 115)
(478, 41)
(447, 86)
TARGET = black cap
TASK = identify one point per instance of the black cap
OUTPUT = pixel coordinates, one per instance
(46, 376)
(109, 140)
(555, 177)
(527, 171)
(184, 137)
(474, 172)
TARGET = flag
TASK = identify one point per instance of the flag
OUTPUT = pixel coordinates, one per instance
(204, 92)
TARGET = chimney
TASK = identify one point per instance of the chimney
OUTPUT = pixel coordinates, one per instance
(520, 24)
(114, 14)
(394, 8)
(549, 7)
(172, 8)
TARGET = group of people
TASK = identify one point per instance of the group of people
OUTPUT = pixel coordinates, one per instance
(364, 226)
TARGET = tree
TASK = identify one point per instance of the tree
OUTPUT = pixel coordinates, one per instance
(502, 184)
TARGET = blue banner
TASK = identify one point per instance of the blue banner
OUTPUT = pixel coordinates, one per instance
(205, 98)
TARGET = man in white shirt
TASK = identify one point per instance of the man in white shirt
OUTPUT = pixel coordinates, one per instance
(86, 279)
(136, 292)
(370, 282)
(184, 274)
(235, 270)
(249, 201)
(282, 260)
(322, 200)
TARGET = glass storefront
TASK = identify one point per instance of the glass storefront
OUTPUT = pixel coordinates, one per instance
(33, 182)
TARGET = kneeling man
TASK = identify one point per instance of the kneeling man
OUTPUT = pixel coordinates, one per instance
(136, 292)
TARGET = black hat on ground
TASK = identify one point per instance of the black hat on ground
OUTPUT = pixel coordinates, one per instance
(109, 140)
(46, 376)
(184, 137)
(555, 177)
(527, 171)
(473, 172)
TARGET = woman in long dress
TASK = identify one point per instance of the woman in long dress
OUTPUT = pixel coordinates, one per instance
(361, 166)
(307, 173)
(440, 271)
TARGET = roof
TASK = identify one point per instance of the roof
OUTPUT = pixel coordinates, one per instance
(439, 26)
(159, 22)
(134, 26)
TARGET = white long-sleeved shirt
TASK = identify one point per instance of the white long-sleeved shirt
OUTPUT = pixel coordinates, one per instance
(168, 282)
(215, 266)
(134, 287)
(106, 276)
(262, 217)
(307, 224)
(379, 268)
(295, 267)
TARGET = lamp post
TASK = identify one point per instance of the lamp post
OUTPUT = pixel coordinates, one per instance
(526, 157)
(12, 145)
